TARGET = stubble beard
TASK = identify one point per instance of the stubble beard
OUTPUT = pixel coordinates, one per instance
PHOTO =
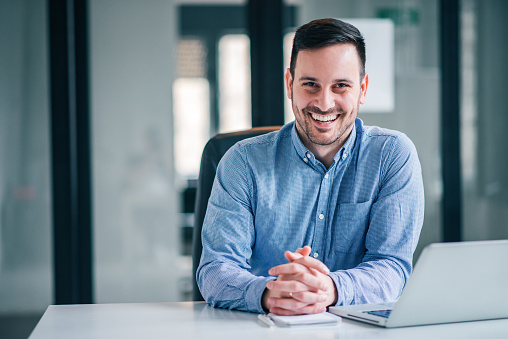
(306, 126)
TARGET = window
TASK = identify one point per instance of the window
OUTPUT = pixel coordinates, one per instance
(234, 83)
(191, 107)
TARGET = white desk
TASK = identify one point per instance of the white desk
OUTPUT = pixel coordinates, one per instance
(197, 320)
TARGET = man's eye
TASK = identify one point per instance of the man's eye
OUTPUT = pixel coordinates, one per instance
(341, 85)
(310, 84)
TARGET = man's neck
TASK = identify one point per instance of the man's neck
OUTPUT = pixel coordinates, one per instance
(325, 153)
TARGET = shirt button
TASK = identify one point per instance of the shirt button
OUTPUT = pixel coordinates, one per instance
(308, 155)
(344, 156)
(315, 255)
(321, 216)
(326, 176)
(305, 160)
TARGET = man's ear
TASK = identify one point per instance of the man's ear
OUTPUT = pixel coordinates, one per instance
(289, 83)
(363, 88)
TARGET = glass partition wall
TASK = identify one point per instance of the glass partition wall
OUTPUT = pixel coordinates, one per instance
(135, 202)
(26, 270)
(484, 117)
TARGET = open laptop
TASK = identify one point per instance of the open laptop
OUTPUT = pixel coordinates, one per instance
(451, 282)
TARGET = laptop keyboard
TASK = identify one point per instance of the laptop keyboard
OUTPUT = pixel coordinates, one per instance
(381, 313)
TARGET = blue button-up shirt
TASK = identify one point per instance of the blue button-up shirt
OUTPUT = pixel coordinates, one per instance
(362, 216)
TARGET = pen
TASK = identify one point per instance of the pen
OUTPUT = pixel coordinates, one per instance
(266, 320)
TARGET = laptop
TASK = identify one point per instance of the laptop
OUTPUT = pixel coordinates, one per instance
(451, 282)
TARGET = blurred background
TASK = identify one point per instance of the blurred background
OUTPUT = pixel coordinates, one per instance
(163, 76)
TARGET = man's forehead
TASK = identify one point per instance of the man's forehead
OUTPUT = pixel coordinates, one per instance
(339, 60)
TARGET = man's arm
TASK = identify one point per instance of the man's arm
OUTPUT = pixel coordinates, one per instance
(395, 222)
(223, 275)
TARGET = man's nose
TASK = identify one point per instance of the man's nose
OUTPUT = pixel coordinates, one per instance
(325, 101)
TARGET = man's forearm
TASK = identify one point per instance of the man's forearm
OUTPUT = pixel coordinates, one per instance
(226, 286)
(370, 282)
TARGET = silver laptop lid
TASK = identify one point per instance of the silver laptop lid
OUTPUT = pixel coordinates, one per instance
(454, 282)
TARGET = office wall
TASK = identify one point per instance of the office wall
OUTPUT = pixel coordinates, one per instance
(417, 86)
(25, 207)
(136, 226)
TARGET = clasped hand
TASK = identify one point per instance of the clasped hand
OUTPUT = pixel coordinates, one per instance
(302, 286)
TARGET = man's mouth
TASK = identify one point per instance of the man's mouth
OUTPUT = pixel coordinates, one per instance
(324, 117)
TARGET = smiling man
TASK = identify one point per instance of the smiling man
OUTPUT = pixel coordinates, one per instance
(326, 87)
(325, 211)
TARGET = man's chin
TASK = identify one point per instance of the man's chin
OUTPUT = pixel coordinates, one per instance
(323, 141)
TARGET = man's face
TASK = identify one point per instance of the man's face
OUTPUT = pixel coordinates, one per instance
(326, 93)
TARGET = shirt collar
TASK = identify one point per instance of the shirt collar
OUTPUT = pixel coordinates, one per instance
(346, 149)
(307, 156)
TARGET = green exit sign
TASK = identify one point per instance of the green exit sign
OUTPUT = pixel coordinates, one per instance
(400, 16)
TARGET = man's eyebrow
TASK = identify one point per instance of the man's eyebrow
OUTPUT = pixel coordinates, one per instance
(306, 78)
(344, 80)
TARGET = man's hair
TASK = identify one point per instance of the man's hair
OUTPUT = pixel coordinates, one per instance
(327, 32)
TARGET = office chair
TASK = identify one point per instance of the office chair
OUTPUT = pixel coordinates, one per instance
(215, 148)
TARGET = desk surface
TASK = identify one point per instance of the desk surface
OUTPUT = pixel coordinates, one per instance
(197, 320)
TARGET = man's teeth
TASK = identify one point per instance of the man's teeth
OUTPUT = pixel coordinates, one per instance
(324, 118)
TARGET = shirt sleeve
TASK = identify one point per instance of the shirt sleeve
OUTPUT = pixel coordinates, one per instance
(223, 275)
(395, 222)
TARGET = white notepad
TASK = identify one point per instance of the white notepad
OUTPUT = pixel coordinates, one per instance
(324, 318)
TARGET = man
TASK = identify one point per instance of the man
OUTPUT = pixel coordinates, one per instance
(325, 211)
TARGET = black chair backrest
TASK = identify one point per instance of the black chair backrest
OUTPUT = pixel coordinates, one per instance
(212, 153)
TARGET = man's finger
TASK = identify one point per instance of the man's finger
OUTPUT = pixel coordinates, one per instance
(296, 271)
(286, 303)
(300, 265)
(304, 251)
(289, 268)
(292, 286)
(301, 252)
(291, 256)
(309, 297)
(310, 262)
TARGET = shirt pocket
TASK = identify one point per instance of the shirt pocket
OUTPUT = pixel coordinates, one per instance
(350, 227)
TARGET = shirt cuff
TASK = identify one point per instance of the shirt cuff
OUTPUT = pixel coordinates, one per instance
(345, 294)
(254, 294)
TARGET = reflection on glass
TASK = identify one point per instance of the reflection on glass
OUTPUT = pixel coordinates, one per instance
(288, 45)
(234, 83)
(25, 194)
(191, 107)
